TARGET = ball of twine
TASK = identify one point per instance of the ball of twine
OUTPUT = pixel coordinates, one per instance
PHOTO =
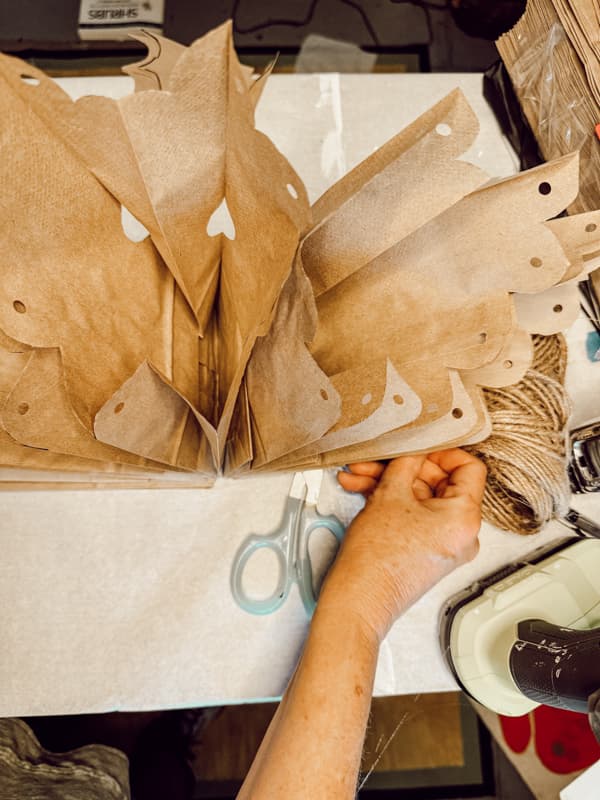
(526, 453)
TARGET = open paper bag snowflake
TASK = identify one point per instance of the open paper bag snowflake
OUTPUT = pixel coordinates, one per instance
(245, 330)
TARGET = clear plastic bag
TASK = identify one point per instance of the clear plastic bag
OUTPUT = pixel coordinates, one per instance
(535, 75)
(552, 87)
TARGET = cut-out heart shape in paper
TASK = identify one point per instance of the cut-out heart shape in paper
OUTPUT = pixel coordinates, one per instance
(132, 227)
(221, 222)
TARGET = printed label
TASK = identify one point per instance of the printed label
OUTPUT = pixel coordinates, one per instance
(114, 19)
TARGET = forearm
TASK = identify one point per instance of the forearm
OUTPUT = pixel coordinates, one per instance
(421, 521)
(314, 743)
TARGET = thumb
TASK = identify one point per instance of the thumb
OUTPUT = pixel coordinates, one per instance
(401, 473)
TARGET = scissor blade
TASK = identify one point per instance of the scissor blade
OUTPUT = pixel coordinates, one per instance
(313, 479)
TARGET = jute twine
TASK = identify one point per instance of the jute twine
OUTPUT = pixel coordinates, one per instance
(526, 453)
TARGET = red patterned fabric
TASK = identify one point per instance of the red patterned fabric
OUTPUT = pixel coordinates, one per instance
(563, 740)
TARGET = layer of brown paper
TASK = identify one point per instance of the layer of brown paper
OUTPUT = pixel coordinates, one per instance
(380, 202)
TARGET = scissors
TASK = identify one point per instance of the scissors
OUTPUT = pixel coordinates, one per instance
(289, 542)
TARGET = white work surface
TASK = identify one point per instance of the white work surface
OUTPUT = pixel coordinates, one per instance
(121, 600)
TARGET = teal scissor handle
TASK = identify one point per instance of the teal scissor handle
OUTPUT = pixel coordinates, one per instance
(312, 521)
(282, 542)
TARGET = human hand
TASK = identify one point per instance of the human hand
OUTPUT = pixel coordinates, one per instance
(421, 520)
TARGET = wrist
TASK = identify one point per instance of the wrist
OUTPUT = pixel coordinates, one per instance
(376, 598)
(340, 608)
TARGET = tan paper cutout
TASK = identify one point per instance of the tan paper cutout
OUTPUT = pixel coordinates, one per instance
(548, 312)
(37, 413)
(171, 438)
(154, 70)
(380, 202)
(513, 360)
(579, 236)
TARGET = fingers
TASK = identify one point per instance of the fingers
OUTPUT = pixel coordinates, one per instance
(422, 490)
(466, 474)
(357, 483)
(401, 473)
(433, 475)
(363, 477)
(446, 473)
(441, 487)
(372, 469)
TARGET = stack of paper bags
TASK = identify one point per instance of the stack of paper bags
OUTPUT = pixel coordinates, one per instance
(239, 329)
(552, 55)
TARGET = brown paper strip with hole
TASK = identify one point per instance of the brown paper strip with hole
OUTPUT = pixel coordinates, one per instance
(579, 235)
(394, 404)
(503, 224)
(162, 417)
(411, 179)
(462, 418)
(424, 380)
(79, 125)
(399, 406)
(466, 421)
(548, 312)
(511, 363)
(403, 316)
(147, 418)
(37, 413)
